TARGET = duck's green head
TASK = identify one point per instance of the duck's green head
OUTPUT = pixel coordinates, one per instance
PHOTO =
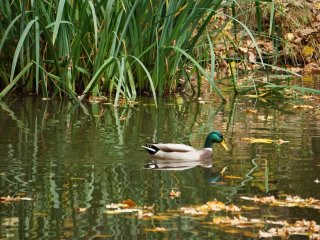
(215, 137)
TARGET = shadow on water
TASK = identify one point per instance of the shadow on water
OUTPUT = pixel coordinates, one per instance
(74, 160)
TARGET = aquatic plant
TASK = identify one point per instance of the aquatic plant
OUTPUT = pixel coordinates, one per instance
(125, 48)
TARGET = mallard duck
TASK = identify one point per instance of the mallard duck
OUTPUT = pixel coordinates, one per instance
(184, 152)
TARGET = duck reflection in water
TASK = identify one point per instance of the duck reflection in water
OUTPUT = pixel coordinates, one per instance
(213, 177)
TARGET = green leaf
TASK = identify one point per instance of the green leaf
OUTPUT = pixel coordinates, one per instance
(15, 80)
(58, 20)
(19, 47)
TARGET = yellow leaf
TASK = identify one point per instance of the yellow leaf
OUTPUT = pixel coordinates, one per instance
(258, 140)
(308, 51)
(233, 177)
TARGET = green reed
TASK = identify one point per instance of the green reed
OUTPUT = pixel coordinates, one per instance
(117, 47)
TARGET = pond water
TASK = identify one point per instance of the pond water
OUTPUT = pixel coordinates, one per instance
(73, 161)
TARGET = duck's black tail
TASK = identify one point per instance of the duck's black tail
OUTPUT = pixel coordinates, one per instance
(151, 149)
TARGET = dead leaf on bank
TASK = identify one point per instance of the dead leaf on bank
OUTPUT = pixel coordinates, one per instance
(303, 107)
(252, 57)
(251, 111)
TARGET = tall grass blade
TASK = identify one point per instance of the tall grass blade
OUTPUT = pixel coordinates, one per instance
(19, 47)
(95, 23)
(58, 20)
(149, 78)
(97, 77)
(15, 80)
(37, 53)
(9, 28)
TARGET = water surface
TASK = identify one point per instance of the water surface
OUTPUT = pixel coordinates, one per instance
(67, 158)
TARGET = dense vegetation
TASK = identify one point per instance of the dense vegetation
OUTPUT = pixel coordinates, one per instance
(125, 48)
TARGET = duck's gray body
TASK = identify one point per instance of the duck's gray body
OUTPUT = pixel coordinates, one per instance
(177, 151)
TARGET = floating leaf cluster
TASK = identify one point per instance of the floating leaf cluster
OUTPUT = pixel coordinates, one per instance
(289, 201)
(211, 206)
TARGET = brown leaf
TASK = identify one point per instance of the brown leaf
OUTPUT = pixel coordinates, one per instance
(252, 57)
(129, 203)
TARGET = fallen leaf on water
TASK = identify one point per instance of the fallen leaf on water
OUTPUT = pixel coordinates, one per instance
(237, 221)
(216, 206)
(233, 177)
(270, 199)
(232, 208)
(10, 221)
(14, 199)
(116, 205)
(264, 140)
(192, 211)
(129, 203)
(81, 209)
(162, 217)
(302, 227)
(150, 208)
(258, 140)
(174, 194)
(157, 229)
(280, 141)
(289, 201)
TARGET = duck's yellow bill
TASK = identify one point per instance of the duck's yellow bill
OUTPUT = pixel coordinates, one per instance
(224, 145)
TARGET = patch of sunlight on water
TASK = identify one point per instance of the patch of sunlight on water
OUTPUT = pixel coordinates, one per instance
(73, 161)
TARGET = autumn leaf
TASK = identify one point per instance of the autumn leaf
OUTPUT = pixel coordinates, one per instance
(174, 194)
(258, 140)
(232, 177)
(157, 229)
(251, 111)
(264, 140)
(289, 201)
(81, 209)
(303, 107)
(129, 203)
(216, 205)
(14, 199)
